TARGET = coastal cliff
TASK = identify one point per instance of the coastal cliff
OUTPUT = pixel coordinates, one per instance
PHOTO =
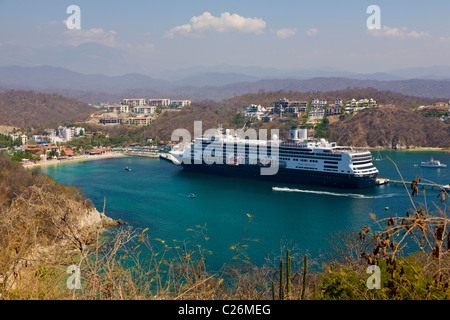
(40, 220)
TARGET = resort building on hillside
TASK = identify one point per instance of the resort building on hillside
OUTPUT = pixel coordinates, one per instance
(165, 102)
(291, 109)
(67, 133)
(106, 119)
(180, 103)
(124, 108)
(254, 112)
(24, 139)
(338, 103)
(41, 139)
(316, 113)
(158, 102)
(134, 102)
(144, 110)
(318, 103)
(283, 104)
(333, 111)
(140, 121)
(353, 106)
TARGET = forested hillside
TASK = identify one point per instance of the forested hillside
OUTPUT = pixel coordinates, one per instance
(382, 97)
(391, 127)
(22, 108)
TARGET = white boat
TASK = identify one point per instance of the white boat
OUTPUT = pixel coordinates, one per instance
(432, 164)
(378, 157)
(380, 181)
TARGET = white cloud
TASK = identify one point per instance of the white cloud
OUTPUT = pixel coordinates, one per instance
(312, 32)
(286, 33)
(76, 37)
(397, 33)
(225, 23)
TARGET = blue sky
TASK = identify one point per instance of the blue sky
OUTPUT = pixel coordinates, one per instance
(118, 37)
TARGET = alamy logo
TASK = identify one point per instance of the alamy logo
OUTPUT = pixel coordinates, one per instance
(231, 148)
(73, 281)
(374, 281)
(74, 21)
(374, 21)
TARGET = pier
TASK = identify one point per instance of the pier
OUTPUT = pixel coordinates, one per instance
(423, 185)
(147, 154)
(150, 154)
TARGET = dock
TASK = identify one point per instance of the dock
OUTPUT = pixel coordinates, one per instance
(147, 154)
(150, 154)
(423, 185)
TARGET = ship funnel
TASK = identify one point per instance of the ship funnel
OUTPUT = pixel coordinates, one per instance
(302, 133)
(293, 134)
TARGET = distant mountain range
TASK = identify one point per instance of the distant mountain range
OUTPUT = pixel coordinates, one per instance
(221, 82)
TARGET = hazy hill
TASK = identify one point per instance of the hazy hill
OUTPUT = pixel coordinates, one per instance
(92, 88)
(45, 77)
(21, 108)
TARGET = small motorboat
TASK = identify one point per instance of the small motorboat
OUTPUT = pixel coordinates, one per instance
(192, 195)
(432, 164)
(128, 169)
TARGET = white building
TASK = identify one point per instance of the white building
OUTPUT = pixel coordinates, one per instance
(24, 139)
(180, 103)
(40, 138)
(144, 110)
(158, 102)
(133, 102)
(254, 112)
(119, 108)
(67, 133)
(318, 103)
(140, 120)
(316, 113)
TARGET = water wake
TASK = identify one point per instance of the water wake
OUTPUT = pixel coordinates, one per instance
(336, 194)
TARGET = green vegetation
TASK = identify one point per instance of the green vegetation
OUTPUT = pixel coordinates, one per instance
(433, 113)
(322, 129)
(7, 141)
(18, 155)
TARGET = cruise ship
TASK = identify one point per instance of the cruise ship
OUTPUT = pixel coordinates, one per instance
(297, 160)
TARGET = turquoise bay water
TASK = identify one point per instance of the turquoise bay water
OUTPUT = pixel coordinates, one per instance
(155, 195)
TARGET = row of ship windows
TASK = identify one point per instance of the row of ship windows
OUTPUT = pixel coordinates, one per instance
(302, 160)
(284, 152)
(311, 153)
(282, 155)
(363, 162)
(365, 167)
(361, 156)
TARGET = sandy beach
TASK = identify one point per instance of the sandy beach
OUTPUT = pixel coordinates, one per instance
(75, 159)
